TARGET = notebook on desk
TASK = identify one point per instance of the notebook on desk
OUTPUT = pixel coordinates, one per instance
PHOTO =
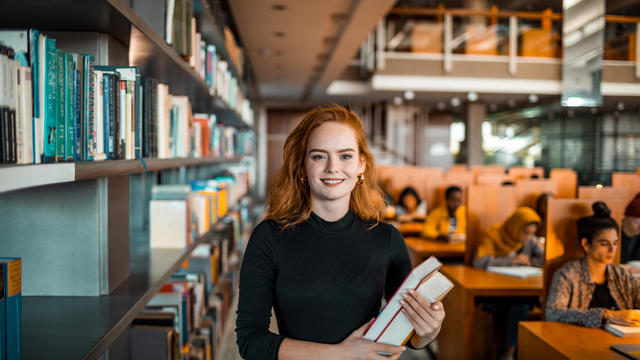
(632, 351)
(516, 271)
(623, 331)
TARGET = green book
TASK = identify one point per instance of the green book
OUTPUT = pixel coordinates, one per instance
(60, 105)
(50, 124)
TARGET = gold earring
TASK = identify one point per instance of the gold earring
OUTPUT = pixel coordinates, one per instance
(360, 178)
(302, 179)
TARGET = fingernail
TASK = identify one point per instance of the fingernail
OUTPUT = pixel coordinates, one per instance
(411, 291)
(404, 295)
(402, 302)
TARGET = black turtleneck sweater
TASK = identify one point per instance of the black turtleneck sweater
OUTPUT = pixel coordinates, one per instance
(323, 279)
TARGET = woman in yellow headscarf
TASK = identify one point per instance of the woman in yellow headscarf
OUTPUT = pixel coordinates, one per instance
(512, 242)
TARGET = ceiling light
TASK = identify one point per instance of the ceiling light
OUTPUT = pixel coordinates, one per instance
(455, 101)
(397, 101)
(279, 7)
(441, 105)
(278, 34)
(409, 95)
(533, 98)
(620, 106)
(472, 96)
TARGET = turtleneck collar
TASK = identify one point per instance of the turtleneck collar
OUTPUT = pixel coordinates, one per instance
(320, 224)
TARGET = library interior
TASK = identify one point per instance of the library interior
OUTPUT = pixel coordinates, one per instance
(305, 179)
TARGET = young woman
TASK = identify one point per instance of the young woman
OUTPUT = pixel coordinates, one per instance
(592, 290)
(630, 247)
(449, 221)
(512, 243)
(410, 207)
(321, 258)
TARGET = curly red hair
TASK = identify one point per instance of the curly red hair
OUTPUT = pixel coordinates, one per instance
(289, 200)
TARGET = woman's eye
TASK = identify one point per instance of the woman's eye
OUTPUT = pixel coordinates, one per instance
(346, 156)
(317, 157)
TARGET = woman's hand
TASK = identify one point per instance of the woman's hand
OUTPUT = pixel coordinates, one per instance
(425, 317)
(623, 317)
(521, 259)
(357, 347)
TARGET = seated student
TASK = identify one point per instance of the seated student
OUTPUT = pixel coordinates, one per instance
(630, 244)
(512, 242)
(592, 289)
(541, 209)
(410, 207)
(447, 221)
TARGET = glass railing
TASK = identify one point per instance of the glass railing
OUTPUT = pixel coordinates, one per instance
(446, 32)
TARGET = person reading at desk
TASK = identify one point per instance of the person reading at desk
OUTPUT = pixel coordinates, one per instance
(510, 243)
(593, 289)
(322, 259)
(410, 207)
(630, 244)
(449, 221)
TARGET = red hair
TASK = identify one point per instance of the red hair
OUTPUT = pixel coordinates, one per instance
(289, 201)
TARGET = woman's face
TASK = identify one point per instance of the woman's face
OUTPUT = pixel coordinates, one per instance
(410, 203)
(527, 232)
(332, 162)
(603, 247)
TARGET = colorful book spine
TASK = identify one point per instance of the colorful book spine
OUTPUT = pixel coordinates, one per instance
(77, 134)
(107, 118)
(12, 268)
(50, 99)
(34, 51)
(60, 105)
(69, 112)
(89, 106)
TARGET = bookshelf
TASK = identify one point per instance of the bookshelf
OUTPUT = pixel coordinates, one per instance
(149, 51)
(82, 228)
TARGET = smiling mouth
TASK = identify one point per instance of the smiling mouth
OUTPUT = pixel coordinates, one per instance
(332, 182)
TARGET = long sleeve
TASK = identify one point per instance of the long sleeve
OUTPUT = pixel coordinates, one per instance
(257, 278)
(558, 303)
(490, 260)
(535, 252)
(399, 263)
(431, 224)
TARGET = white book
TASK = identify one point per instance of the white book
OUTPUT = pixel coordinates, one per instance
(99, 115)
(623, 331)
(168, 223)
(634, 263)
(26, 112)
(171, 4)
(393, 307)
(516, 271)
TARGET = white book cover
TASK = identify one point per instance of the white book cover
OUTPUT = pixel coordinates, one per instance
(516, 271)
(99, 114)
(171, 4)
(168, 224)
(161, 133)
(623, 331)
(400, 329)
(392, 308)
(26, 112)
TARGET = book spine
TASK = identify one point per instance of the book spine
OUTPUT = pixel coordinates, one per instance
(3, 316)
(153, 109)
(146, 93)
(137, 121)
(91, 145)
(13, 305)
(69, 101)
(77, 135)
(60, 120)
(50, 102)
(123, 119)
(12, 137)
(27, 114)
(106, 104)
(115, 113)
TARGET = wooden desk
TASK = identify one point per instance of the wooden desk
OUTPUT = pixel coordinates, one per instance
(554, 340)
(421, 248)
(459, 339)
(410, 228)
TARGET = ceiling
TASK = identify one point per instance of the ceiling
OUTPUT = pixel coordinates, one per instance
(297, 47)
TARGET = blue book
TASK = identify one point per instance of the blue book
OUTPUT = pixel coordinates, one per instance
(60, 105)
(12, 269)
(106, 115)
(34, 52)
(50, 99)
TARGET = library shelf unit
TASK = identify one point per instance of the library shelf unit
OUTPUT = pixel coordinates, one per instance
(81, 228)
(83, 327)
(142, 46)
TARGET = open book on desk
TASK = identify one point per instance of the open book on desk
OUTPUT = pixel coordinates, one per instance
(623, 331)
(516, 271)
(392, 326)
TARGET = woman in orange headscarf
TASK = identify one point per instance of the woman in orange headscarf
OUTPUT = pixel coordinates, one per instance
(512, 242)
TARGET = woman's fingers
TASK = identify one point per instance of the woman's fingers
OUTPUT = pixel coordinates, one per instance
(422, 307)
(387, 349)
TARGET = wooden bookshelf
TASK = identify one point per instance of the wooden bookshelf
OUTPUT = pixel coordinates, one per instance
(148, 50)
(83, 327)
(16, 177)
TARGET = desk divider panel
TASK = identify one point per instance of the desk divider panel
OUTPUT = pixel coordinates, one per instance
(529, 190)
(486, 206)
(566, 182)
(630, 181)
(604, 193)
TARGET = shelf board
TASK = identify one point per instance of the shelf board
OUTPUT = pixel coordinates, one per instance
(16, 177)
(83, 327)
(151, 54)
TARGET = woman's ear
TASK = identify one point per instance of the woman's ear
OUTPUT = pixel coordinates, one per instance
(584, 242)
(363, 165)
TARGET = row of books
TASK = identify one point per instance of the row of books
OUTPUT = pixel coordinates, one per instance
(178, 214)
(10, 308)
(73, 110)
(174, 21)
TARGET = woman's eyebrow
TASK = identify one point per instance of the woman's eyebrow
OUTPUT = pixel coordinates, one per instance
(325, 151)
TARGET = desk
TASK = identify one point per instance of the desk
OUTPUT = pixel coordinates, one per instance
(410, 228)
(554, 340)
(421, 248)
(458, 339)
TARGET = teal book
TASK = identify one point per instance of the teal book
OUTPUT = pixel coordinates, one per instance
(12, 271)
(60, 105)
(70, 109)
(34, 36)
(50, 99)
(3, 320)
(89, 108)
